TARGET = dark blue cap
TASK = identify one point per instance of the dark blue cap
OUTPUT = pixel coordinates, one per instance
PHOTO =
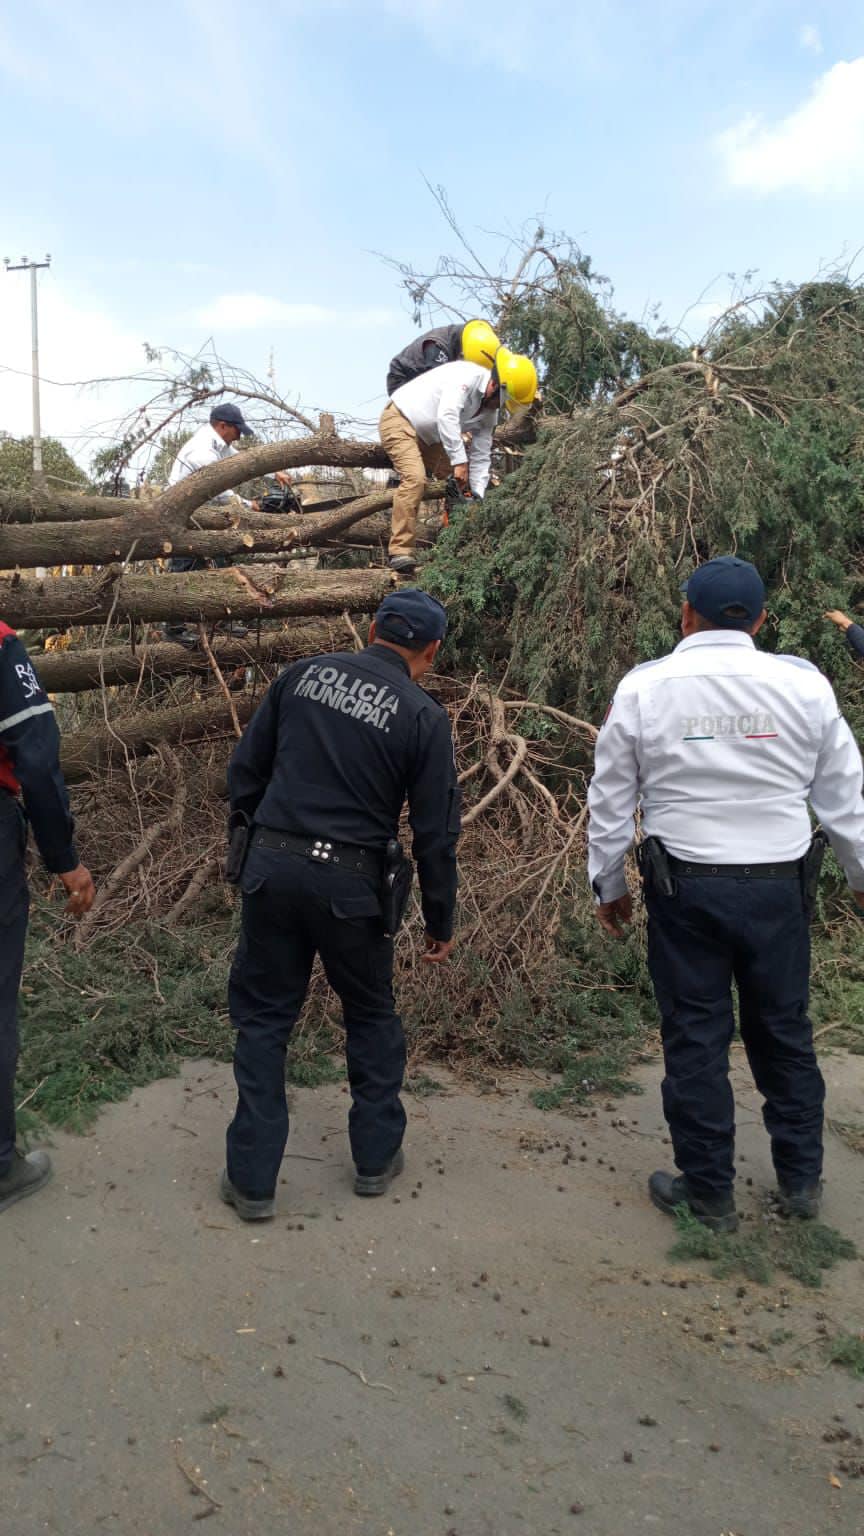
(727, 592)
(411, 618)
(233, 416)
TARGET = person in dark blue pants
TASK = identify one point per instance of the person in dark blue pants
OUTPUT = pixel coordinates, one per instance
(322, 772)
(755, 933)
(726, 749)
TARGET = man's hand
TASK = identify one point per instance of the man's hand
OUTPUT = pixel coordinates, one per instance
(282, 477)
(254, 506)
(79, 884)
(838, 617)
(613, 915)
(437, 950)
(460, 474)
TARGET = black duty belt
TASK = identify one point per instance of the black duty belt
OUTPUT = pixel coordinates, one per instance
(345, 856)
(788, 871)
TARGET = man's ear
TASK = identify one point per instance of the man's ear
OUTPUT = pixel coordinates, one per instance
(759, 622)
(432, 650)
(372, 632)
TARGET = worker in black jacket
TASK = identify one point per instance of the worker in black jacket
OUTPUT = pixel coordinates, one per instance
(473, 342)
(323, 771)
(29, 770)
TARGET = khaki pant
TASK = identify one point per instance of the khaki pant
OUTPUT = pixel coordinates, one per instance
(414, 462)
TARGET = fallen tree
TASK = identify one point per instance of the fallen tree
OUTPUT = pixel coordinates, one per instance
(145, 532)
(83, 752)
(115, 594)
(73, 671)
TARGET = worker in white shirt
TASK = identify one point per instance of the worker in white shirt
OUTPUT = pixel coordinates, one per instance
(423, 426)
(723, 746)
(208, 445)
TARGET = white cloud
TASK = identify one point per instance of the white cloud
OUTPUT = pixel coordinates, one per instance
(810, 38)
(817, 148)
(256, 311)
(77, 340)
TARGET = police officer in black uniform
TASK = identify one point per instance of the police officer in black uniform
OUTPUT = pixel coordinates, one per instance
(322, 772)
(29, 769)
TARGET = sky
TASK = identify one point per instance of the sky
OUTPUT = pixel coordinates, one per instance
(206, 173)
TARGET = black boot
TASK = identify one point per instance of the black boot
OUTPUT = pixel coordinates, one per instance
(803, 1201)
(669, 1191)
(377, 1183)
(26, 1173)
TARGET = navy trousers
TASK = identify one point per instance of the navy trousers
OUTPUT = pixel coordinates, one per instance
(755, 932)
(14, 907)
(294, 909)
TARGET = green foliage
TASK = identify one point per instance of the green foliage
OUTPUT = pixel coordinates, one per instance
(798, 1248)
(99, 1022)
(570, 571)
(847, 1349)
(16, 465)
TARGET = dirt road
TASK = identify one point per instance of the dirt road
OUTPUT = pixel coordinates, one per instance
(499, 1347)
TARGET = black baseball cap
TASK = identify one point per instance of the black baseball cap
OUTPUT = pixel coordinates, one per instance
(411, 618)
(727, 592)
(233, 416)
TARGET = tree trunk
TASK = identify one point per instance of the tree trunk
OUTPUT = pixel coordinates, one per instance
(259, 592)
(59, 507)
(83, 751)
(76, 671)
(145, 534)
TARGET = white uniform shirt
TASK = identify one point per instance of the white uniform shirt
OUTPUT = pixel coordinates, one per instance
(724, 745)
(204, 447)
(445, 402)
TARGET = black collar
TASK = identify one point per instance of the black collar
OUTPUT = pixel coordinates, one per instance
(384, 653)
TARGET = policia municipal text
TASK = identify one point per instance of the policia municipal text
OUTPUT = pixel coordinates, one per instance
(724, 745)
(319, 780)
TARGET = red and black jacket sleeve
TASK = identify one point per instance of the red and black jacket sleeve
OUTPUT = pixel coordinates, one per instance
(30, 755)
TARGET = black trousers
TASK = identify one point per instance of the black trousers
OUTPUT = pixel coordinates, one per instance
(754, 932)
(294, 909)
(14, 908)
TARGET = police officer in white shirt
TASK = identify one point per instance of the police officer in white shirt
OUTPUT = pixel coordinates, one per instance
(723, 746)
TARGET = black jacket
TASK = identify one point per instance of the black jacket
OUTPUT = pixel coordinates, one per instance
(443, 345)
(332, 751)
(30, 755)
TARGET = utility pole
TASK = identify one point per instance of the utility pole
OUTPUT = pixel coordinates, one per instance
(25, 265)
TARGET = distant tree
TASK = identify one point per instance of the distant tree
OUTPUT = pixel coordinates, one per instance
(16, 465)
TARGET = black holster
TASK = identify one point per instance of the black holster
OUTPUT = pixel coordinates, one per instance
(653, 862)
(396, 884)
(239, 838)
(811, 868)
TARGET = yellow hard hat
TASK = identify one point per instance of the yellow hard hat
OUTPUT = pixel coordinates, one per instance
(517, 376)
(479, 343)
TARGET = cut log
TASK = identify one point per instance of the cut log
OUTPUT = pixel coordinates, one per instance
(196, 596)
(76, 671)
(144, 533)
(83, 751)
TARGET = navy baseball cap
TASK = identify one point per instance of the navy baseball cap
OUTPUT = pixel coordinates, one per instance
(727, 592)
(411, 618)
(233, 416)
